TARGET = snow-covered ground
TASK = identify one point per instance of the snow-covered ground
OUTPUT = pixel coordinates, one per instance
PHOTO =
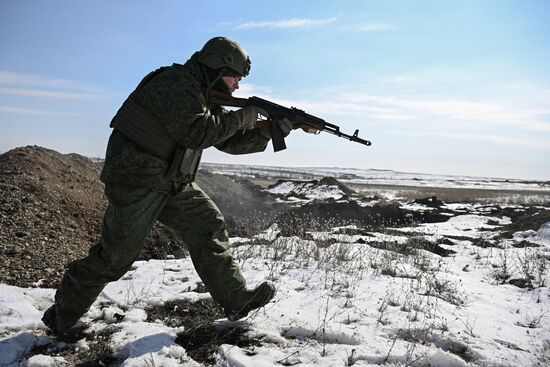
(306, 190)
(379, 177)
(345, 297)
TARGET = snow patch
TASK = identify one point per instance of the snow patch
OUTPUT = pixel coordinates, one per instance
(544, 234)
(40, 360)
(309, 190)
(140, 339)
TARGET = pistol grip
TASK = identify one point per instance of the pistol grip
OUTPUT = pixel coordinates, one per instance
(277, 137)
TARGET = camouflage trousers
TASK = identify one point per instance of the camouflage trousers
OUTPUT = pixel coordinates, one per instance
(129, 217)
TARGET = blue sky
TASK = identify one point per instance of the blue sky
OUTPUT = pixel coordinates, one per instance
(451, 87)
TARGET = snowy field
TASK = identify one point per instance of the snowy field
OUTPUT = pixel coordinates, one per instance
(380, 177)
(449, 294)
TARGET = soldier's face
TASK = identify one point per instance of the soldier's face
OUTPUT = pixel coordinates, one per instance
(232, 82)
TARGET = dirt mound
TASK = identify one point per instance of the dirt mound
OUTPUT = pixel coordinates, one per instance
(331, 181)
(52, 205)
(50, 212)
(51, 208)
(323, 189)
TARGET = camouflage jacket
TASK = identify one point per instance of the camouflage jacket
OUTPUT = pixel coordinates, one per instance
(176, 97)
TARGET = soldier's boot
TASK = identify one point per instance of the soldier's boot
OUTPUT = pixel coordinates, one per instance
(64, 329)
(248, 300)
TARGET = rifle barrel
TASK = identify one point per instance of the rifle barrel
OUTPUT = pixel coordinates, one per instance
(335, 130)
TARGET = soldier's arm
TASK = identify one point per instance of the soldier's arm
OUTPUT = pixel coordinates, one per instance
(243, 142)
(181, 107)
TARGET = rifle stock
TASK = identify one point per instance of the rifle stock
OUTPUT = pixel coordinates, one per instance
(299, 118)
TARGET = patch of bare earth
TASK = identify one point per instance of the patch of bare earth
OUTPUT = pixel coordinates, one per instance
(51, 209)
(201, 337)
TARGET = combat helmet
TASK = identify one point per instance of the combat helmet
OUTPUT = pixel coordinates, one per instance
(224, 53)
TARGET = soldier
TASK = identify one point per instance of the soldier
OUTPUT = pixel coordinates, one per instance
(152, 157)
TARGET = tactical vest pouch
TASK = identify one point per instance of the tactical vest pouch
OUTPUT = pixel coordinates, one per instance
(185, 165)
(142, 128)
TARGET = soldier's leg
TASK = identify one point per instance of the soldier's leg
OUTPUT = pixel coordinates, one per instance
(195, 219)
(128, 219)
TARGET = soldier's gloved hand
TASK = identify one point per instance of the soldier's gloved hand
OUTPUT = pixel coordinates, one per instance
(285, 125)
(248, 116)
(310, 130)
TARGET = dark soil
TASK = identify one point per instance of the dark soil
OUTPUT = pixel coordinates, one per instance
(201, 337)
(202, 343)
(530, 218)
(185, 313)
(98, 352)
(431, 202)
(326, 214)
(51, 208)
(50, 213)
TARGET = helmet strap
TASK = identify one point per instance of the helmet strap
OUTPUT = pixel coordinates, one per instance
(211, 83)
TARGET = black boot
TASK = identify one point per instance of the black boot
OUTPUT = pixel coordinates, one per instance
(248, 300)
(68, 331)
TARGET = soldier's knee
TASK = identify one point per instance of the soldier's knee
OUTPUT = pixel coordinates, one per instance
(100, 266)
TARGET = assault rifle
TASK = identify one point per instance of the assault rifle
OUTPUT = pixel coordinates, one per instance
(299, 118)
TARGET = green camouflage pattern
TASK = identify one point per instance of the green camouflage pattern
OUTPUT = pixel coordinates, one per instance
(139, 194)
(176, 97)
(129, 217)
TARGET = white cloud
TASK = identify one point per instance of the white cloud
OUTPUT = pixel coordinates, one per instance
(20, 79)
(29, 85)
(286, 23)
(369, 27)
(490, 113)
(30, 111)
(367, 104)
(503, 121)
(503, 140)
(26, 92)
(486, 138)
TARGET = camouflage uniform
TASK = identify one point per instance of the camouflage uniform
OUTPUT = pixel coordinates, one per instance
(139, 192)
